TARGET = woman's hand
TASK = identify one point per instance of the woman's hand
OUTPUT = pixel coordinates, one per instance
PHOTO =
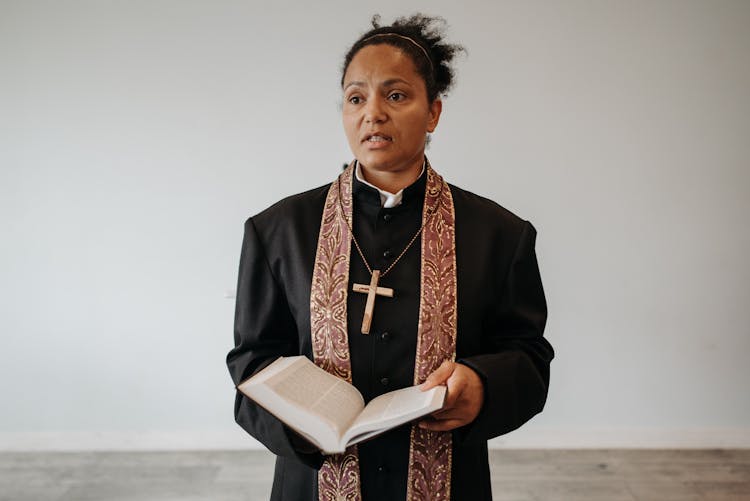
(463, 400)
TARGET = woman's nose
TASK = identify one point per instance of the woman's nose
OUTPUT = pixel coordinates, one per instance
(374, 111)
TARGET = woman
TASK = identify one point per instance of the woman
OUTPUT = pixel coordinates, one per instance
(467, 307)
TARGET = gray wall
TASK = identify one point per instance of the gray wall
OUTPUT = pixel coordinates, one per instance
(136, 137)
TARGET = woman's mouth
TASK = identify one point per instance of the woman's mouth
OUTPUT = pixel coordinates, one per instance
(377, 141)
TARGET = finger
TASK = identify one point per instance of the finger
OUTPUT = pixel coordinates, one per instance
(438, 376)
(452, 413)
(441, 424)
(456, 385)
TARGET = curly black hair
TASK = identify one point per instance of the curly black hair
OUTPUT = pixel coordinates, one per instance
(432, 58)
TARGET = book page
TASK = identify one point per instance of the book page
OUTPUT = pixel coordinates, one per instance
(310, 387)
(395, 408)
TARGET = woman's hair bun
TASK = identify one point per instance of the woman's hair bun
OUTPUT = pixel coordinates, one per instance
(421, 37)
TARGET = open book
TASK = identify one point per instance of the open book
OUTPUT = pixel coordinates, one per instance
(327, 410)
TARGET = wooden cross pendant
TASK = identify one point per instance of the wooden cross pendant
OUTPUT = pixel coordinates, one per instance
(371, 290)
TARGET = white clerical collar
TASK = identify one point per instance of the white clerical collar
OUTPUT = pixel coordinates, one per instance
(387, 199)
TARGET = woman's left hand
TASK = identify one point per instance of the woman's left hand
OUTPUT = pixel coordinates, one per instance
(463, 400)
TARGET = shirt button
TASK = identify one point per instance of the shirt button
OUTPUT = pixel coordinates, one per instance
(384, 381)
(387, 217)
(387, 253)
(386, 336)
(382, 469)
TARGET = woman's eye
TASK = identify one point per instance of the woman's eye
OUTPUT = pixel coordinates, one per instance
(396, 96)
(355, 100)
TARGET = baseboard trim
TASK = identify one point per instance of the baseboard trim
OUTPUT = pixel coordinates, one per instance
(128, 441)
(624, 438)
(530, 438)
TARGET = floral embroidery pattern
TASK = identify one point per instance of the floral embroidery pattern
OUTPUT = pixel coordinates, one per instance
(430, 452)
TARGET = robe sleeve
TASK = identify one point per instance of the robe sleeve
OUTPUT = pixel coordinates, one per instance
(263, 330)
(514, 367)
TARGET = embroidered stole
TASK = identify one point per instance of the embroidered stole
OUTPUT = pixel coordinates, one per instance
(429, 452)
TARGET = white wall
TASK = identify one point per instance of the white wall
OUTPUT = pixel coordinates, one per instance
(136, 137)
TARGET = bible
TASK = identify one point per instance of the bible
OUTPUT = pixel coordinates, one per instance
(328, 411)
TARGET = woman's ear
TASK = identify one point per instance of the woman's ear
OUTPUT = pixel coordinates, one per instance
(436, 107)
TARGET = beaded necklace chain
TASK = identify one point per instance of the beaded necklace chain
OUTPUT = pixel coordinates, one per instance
(431, 212)
(372, 290)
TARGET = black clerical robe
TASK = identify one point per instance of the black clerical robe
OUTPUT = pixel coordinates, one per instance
(501, 318)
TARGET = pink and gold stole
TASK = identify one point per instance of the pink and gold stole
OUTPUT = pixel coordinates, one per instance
(430, 452)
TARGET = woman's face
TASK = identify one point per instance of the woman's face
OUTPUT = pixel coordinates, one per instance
(386, 113)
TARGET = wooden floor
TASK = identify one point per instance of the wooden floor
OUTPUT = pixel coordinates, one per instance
(522, 475)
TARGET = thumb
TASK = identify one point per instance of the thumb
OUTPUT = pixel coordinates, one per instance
(438, 376)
